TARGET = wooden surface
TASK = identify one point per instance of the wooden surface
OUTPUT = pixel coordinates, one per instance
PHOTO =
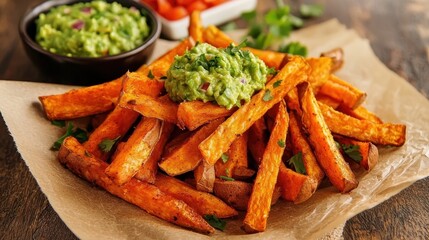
(399, 35)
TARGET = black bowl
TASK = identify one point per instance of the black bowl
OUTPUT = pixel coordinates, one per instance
(86, 70)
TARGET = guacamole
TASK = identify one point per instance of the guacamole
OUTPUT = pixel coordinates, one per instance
(226, 76)
(91, 29)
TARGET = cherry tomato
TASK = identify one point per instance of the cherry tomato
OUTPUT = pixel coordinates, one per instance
(197, 5)
(176, 13)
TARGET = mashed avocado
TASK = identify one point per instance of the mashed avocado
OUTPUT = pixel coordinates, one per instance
(91, 29)
(226, 76)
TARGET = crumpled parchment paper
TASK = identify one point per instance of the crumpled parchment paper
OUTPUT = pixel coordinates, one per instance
(92, 213)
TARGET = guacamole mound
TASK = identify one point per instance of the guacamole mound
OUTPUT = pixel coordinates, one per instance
(91, 29)
(226, 76)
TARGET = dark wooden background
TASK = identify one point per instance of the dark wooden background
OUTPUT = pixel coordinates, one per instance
(398, 31)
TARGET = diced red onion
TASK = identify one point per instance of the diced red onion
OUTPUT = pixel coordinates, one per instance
(205, 86)
(243, 81)
(78, 25)
(86, 9)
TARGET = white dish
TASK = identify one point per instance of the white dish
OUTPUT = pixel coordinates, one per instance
(212, 16)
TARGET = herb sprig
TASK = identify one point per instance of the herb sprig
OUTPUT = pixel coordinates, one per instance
(276, 25)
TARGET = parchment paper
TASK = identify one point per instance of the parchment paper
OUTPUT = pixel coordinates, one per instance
(92, 213)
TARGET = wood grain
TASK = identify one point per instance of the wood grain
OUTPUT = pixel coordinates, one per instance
(398, 32)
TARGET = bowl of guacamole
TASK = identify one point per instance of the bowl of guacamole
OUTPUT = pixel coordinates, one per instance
(89, 42)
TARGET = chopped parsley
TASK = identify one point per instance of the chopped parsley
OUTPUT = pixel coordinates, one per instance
(224, 157)
(58, 123)
(107, 144)
(295, 48)
(150, 74)
(277, 83)
(297, 163)
(281, 143)
(80, 134)
(215, 221)
(227, 178)
(267, 96)
(352, 151)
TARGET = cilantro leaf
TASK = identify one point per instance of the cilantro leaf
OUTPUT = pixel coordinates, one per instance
(80, 134)
(227, 178)
(107, 144)
(272, 71)
(224, 157)
(311, 10)
(150, 74)
(295, 48)
(215, 221)
(297, 163)
(249, 16)
(277, 83)
(69, 131)
(58, 123)
(352, 151)
(267, 96)
(281, 143)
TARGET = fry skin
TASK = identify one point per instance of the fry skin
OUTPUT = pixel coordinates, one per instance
(294, 72)
(135, 152)
(296, 187)
(162, 108)
(260, 200)
(300, 144)
(144, 195)
(148, 170)
(325, 149)
(193, 114)
(204, 203)
(82, 102)
(363, 130)
(204, 176)
(186, 156)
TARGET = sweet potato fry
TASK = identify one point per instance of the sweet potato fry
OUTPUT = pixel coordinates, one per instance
(204, 176)
(214, 36)
(342, 91)
(144, 195)
(162, 108)
(270, 58)
(141, 83)
(204, 203)
(195, 28)
(367, 156)
(260, 200)
(116, 125)
(337, 56)
(237, 193)
(242, 173)
(360, 113)
(300, 144)
(296, 187)
(148, 170)
(186, 157)
(363, 130)
(320, 71)
(196, 113)
(82, 102)
(325, 149)
(258, 135)
(294, 72)
(236, 154)
(136, 151)
(328, 100)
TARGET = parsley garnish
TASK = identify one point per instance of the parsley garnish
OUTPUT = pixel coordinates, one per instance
(272, 71)
(224, 157)
(311, 10)
(107, 144)
(281, 143)
(150, 74)
(295, 48)
(58, 123)
(352, 151)
(267, 96)
(227, 178)
(297, 163)
(80, 134)
(277, 83)
(276, 25)
(215, 221)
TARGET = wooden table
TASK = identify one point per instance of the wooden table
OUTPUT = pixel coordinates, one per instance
(399, 35)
